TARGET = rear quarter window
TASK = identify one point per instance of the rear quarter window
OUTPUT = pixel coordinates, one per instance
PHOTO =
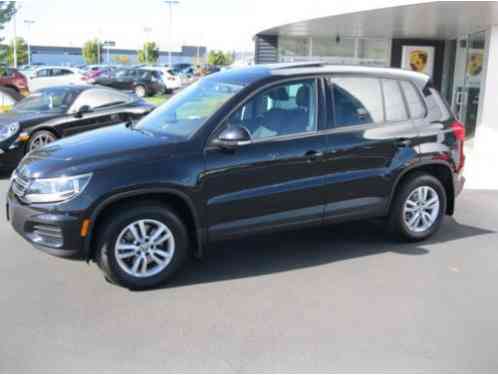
(437, 108)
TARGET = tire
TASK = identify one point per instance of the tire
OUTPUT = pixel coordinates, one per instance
(140, 91)
(39, 139)
(403, 220)
(115, 231)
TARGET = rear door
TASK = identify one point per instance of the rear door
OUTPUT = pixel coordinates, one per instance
(277, 179)
(370, 136)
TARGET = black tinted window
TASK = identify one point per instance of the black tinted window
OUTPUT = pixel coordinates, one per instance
(282, 110)
(43, 73)
(413, 99)
(60, 72)
(393, 101)
(357, 101)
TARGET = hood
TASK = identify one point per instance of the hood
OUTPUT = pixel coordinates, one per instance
(117, 146)
(26, 117)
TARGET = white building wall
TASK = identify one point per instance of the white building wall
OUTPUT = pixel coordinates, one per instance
(482, 153)
(488, 115)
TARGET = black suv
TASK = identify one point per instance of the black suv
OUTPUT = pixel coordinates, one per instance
(142, 82)
(239, 152)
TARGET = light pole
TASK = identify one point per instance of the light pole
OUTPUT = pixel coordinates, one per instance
(147, 30)
(170, 4)
(28, 24)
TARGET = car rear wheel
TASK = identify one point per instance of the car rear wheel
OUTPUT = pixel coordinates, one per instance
(142, 248)
(418, 209)
(40, 139)
(140, 91)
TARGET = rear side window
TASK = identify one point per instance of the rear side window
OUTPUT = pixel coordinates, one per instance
(393, 101)
(357, 101)
(413, 99)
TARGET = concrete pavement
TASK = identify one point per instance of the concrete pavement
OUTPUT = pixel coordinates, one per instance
(339, 298)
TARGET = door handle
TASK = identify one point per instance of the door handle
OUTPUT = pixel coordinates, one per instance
(313, 155)
(403, 142)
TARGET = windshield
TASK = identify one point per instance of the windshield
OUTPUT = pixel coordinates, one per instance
(186, 112)
(48, 100)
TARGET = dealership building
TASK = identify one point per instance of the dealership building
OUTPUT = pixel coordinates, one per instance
(55, 55)
(455, 42)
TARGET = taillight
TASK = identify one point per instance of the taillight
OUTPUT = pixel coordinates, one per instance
(459, 133)
(458, 130)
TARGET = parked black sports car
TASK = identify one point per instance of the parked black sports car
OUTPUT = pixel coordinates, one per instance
(60, 111)
(142, 81)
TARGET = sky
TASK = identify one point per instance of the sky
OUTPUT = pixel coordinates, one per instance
(217, 24)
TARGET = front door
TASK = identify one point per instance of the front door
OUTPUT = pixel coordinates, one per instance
(276, 180)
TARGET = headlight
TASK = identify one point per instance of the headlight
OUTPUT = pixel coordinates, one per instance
(8, 131)
(53, 190)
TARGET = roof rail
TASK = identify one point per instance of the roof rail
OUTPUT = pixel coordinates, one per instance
(303, 64)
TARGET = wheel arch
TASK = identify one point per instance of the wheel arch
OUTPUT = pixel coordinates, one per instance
(175, 199)
(47, 128)
(439, 169)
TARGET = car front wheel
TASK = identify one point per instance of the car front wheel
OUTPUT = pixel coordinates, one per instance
(142, 248)
(419, 208)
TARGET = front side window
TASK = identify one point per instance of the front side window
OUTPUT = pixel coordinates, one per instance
(282, 110)
(100, 98)
(47, 100)
(393, 101)
(185, 113)
(357, 101)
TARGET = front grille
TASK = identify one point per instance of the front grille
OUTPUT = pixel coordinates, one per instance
(19, 185)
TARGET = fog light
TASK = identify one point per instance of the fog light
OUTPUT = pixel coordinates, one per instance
(23, 137)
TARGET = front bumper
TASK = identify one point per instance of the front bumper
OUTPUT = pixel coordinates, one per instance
(46, 229)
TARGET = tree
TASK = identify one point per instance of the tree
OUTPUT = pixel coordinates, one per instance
(21, 51)
(149, 53)
(219, 58)
(7, 10)
(91, 51)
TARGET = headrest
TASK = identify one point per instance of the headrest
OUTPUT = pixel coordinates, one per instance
(280, 93)
(303, 96)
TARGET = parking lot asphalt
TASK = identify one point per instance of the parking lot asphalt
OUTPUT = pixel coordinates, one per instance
(337, 298)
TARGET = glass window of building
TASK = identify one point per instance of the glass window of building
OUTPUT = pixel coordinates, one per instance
(293, 49)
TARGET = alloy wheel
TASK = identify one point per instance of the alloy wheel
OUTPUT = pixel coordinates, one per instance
(40, 140)
(421, 209)
(144, 248)
(140, 91)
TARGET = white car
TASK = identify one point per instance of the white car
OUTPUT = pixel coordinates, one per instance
(171, 81)
(47, 76)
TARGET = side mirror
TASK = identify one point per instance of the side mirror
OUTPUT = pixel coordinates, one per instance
(82, 110)
(233, 137)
